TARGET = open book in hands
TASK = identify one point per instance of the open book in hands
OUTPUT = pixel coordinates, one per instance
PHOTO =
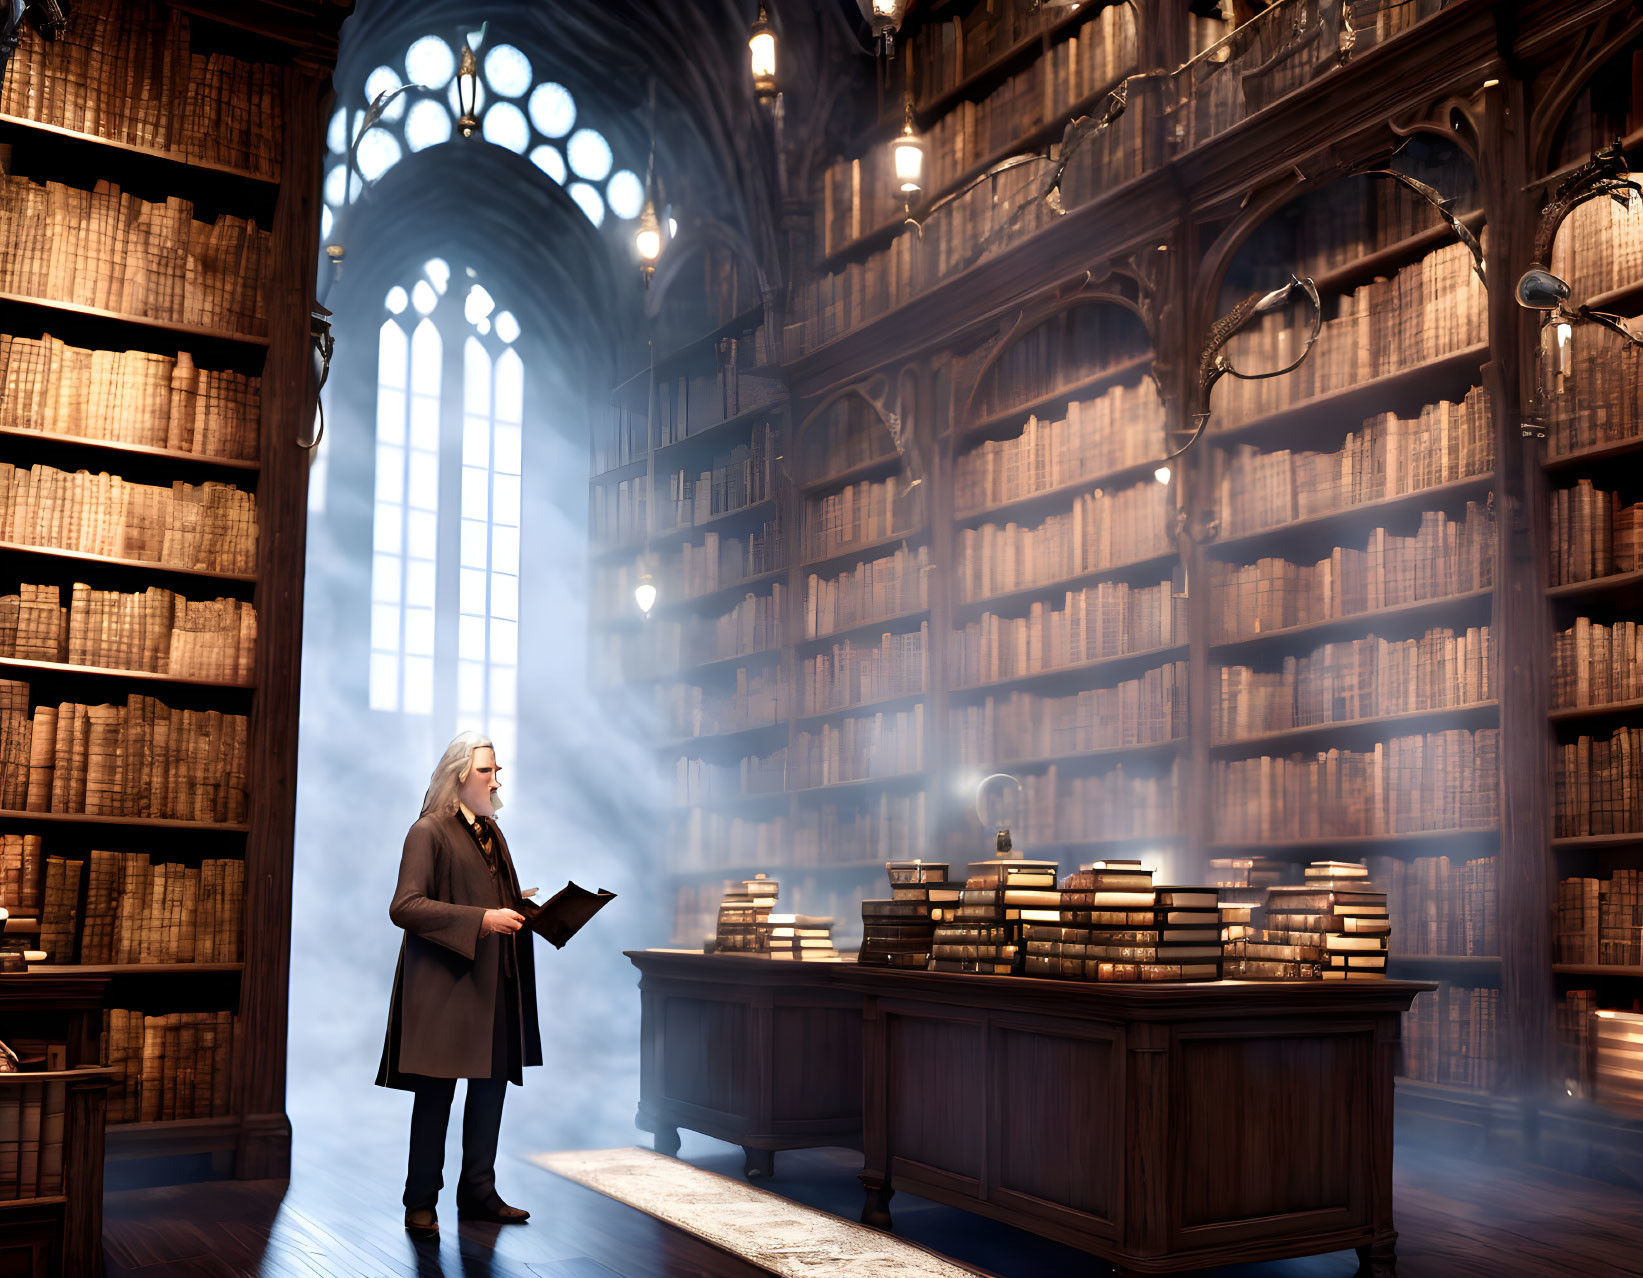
(564, 913)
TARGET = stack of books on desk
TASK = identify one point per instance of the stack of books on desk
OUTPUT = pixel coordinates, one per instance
(802, 938)
(1117, 926)
(1243, 880)
(1001, 897)
(899, 932)
(744, 917)
(1333, 926)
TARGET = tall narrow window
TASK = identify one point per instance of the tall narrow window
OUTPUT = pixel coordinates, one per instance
(405, 524)
(487, 642)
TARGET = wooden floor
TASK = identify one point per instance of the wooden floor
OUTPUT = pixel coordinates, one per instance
(340, 1216)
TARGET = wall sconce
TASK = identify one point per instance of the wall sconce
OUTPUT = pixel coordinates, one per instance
(467, 92)
(885, 17)
(761, 51)
(644, 594)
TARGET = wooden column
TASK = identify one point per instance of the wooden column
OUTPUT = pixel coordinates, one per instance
(282, 501)
(1522, 619)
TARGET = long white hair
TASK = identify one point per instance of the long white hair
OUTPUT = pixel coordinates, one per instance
(452, 770)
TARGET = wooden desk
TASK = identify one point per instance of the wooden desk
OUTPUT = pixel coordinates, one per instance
(1162, 1127)
(763, 1053)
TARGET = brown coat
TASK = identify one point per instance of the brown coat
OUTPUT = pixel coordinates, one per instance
(440, 1019)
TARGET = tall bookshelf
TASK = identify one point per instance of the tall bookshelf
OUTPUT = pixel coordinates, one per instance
(1359, 554)
(153, 829)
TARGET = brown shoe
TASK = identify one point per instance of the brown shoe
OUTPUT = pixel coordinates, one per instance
(421, 1220)
(496, 1213)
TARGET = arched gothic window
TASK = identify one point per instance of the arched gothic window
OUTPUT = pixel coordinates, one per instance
(461, 440)
(530, 117)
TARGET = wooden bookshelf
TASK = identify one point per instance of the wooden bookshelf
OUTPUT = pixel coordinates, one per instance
(1362, 845)
(1422, 612)
(1575, 714)
(718, 523)
(1094, 382)
(872, 626)
(1144, 569)
(861, 550)
(884, 705)
(1074, 760)
(1583, 458)
(716, 433)
(877, 468)
(1615, 970)
(297, 49)
(860, 784)
(1084, 673)
(1342, 730)
(731, 592)
(1050, 500)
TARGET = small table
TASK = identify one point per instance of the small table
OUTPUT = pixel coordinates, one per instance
(763, 1053)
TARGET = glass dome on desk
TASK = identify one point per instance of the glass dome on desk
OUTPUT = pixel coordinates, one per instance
(998, 808)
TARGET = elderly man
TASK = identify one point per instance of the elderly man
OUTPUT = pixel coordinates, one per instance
(464, 1001)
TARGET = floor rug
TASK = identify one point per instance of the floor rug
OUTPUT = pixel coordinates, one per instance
(762, 1228)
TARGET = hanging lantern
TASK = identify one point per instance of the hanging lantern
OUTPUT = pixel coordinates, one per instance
(644, 594)
(907, 153)
(467, 92)
(648, 239)
(761, 49)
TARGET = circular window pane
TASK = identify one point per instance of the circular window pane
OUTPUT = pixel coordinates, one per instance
(587, 199)
(336, 186)
(548, 159)
(336, 135)
(378, 152)
(508, 71)
(478, 304)
(428, 124)
(385, 80)
(505, 126)
(423, 297)
(507, 327)
(456, 100)
(625, 194)
(430, 62)
(438, 271)
(396, 299)
(553, 110)
(589, 154)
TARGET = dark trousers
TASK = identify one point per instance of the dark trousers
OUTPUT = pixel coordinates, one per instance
(481, 1121)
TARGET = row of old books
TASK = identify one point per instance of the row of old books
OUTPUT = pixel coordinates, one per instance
(686, 404)
(899, 930)
(756, 698)
(1043, 94)
(171, 1066)
(209, 527)
(876, 827)
(1592, 389)
(1433, 307)
(1317, 233)
(128, 72)
(1449, 1037)
(1596, 249)
(158, 631)
(1438, 781)
(857, 514)
(1601, 920)
(735, 480)
(140, 759)
(111, 250)
(1389, 456)
(1593, 534)
(617, 513)
(32, 1117)
(1037, 363)
(1114, 804)
(1102, 530)
(858, 748)
(1442, 907)
(140, 911)
(1353, 679)
(1597, 785)
(1108, 619)
(1023, 726)
(702, 840)
(620, 439)
(874, 590)
(1120, 428)
(943, 54)
(128, 397)
(701, 780)
(852, 674)
(1445, 557)
(1594, 664)
(1333, 926)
